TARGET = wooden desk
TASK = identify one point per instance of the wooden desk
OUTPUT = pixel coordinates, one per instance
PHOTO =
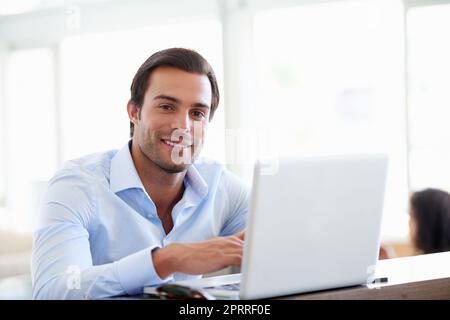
(417, 277)
(423, 290)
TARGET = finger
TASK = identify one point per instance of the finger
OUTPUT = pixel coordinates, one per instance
(240, 234)
(232, 251)
(233, 240)
(235, 260)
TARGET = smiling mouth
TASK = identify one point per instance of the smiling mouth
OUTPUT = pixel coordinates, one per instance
(176, 144)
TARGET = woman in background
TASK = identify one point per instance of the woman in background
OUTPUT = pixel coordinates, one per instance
(429, 224)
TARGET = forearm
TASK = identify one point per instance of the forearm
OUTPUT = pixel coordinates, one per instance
(166, 260)
(198, 258)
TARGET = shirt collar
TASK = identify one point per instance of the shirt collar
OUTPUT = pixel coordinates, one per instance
(123, 174)
(196, 181)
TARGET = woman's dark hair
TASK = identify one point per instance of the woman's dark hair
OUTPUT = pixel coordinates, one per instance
(179, 58)
(431, 211)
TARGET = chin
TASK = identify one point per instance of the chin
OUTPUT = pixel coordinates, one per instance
(165, 162)
(171, 167)
(176, 168)
(177, 165)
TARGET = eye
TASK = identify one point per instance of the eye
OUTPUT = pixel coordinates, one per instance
(198, 114)
(165, 107)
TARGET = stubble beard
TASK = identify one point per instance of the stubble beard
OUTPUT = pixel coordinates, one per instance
(153, 151)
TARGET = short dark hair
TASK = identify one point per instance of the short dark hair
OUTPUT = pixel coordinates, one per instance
(431, 211)
(179, 58)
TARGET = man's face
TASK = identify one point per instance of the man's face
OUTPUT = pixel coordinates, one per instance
(172, 122)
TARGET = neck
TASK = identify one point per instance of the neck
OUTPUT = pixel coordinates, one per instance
(165, 188)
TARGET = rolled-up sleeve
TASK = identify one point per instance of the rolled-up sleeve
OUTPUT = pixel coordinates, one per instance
(62, 266)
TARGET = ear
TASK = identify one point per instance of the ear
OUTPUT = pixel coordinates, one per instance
(133, 112)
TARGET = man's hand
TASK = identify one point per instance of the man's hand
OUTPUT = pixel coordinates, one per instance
(201, 257)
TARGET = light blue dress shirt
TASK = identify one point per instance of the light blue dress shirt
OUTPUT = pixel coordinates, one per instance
(98, 225)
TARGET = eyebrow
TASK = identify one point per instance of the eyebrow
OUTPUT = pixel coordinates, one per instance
(175, 100)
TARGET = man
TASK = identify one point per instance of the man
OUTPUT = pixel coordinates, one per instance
(114, 222)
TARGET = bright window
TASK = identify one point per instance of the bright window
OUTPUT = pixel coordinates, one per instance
(429, 96)
(3, 218)
(330, 80)
(30, 132)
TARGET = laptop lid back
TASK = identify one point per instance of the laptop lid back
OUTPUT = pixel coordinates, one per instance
(313, 225)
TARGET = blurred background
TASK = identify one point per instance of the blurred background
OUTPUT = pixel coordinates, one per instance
(323, 76)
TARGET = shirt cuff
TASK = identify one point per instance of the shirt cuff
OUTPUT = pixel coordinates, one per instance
(137, 271)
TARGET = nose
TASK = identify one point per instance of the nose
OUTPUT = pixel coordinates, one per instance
(182, 121)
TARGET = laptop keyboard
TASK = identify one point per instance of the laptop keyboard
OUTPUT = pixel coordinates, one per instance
(230, 287)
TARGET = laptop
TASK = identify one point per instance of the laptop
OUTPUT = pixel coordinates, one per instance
(313, 225)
